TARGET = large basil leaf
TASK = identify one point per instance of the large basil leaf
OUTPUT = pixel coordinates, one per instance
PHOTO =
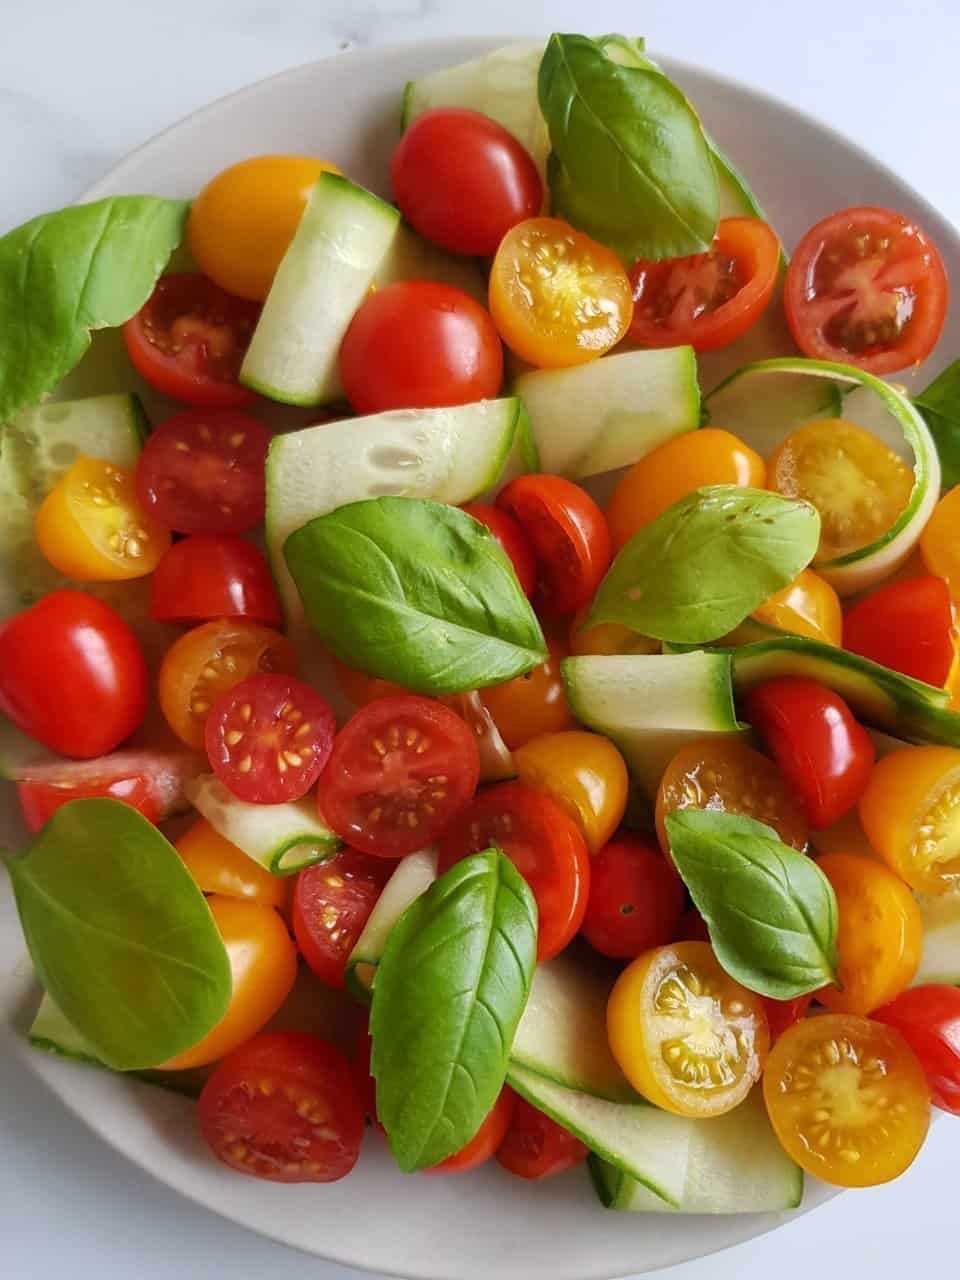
(451, 987)
(940, 406)
(706, 563)
(120, 935)
(91, 266)
(414, 592)
(771, 911)
(630, 163)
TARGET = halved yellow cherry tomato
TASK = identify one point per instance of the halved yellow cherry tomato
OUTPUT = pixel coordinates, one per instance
(847, 1098)
(879, 936)
(220, 867)
(584, 773)
(911, 814)
(91, 527)
(557, 297)
(209, 660)
(940, 541)
(669, 473)
(685, 1035)
(858, 485)
(263, 966)
(726, 775)
(607, 637)
(809, 607)
(531, 704)
(243, 220)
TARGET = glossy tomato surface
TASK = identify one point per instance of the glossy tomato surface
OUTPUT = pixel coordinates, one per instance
(928, 1018)
(214, 575)
(331, 905)
(511, 537)
(485, 1141)
(585, 774)
(536, 1147)
(939, 543)
(220, 867)
(907, 626)
(534, 703)
(39, 801)
(636, 898)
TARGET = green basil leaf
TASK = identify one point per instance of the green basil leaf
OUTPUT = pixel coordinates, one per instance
(940, 406)
(451, 987)
(629, 163)
(415, 592)
(706, 563)
(771, 911)
(91, 266)
(120, 935)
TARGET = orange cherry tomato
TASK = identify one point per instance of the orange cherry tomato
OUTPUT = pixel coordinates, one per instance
(220, 867)
(607, 637)
(584, 773)
(533, 703)
(939, 543)
(809, 607)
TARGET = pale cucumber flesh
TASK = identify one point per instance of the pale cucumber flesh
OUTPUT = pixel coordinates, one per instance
(413, 876)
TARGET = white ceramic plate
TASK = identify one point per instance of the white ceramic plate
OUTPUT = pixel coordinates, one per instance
(347, 109)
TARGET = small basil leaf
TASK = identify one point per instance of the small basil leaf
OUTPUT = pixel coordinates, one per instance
(771, 911)
(940, 406)
(415, 592)
(706, 563)
(629, 163)
(120, 935)
(451, 987)
(91, 266)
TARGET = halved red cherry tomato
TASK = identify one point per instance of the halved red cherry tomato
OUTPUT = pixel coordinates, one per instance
(511, 537)
(636, 899)
(202, 471)
(486, 1140)
(537, 1147)
(907, 626)
(544, 843)
(214, 575)
(867, 287)
(283, 1107)
(709, 299)
(819, 747)
(38, 803)
(782, 1014)
(331, 904)
(928, 1018)
(401, 769)
(268, 738)
(569, 536)
(189, 339)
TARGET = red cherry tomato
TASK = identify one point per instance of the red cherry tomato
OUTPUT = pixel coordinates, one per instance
(40, 801)
(907, 626)
(543, 842)
(709, 299)
(401, 769)
(463, 181)
(537, 1147)
(691, 927)
(331, 905)
(189, 339)
(202, 471)
(513, 540)
(486, 1140)
(214, 575)
(636, 898)
(417, 345)
(569, 536)
(782, 1014)
(283, 1107)
(928, 1018)
(866, 287)
(818, 746)
(72, 675)
(268, 737)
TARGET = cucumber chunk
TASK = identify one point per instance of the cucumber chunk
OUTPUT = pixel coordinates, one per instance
(940, 961)
(413, 876)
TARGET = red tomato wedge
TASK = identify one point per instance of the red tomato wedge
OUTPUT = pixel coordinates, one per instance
(537, 1147)
(214, 575)
(907, 626)
(485, 1141)
(928, 1018)
(331, 904)
(511, 537)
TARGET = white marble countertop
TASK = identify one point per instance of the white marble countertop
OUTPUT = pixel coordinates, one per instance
(83, 81)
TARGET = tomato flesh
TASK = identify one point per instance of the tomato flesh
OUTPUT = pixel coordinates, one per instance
(928, 1018)
(536, 1147)
(214, 575)
(511, 537)
(907, 626)
(331, 905)
(636, 899)
(40, 801)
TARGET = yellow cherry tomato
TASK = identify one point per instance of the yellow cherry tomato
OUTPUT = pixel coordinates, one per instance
(607, 637)
(220, 867)
(953, 679)
(263, 966)
(940, 541)
(669, 473)
(910, 811)
(685, 1035)
(557, 297)
(809, 607)
(531, 704)
(847, 1099)
(584, 773)
(858, 485)
(243, 220)
(91, 527)
(879, 935)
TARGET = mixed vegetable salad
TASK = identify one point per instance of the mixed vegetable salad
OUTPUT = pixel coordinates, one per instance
(545, 742)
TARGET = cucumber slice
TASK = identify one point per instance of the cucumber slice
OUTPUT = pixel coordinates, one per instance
(735, 1165)
(344, 236)
(282, 838)
(763, 402)
(941, 940)
(651, 704)
(413, 876)
(410, 257)
(606, 414)
(52, 1031)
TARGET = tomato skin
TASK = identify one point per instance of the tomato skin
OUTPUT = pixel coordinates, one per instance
(72, 675)
(907, 626)
(463, 181)
(532, 704)
(938, 542)
(511, 537)
(283, 1107)
(220, 867)
(636, 899)
(536, 1147)
(782, 1014)
(585, 774)
(607, 637)
(331, 905)
(569, 537)
(818, 746)
(40, 801)
(214, 575)
(417, 345)
(928, 1018)
(809, 607)
(691, 927)
(485, 1142)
